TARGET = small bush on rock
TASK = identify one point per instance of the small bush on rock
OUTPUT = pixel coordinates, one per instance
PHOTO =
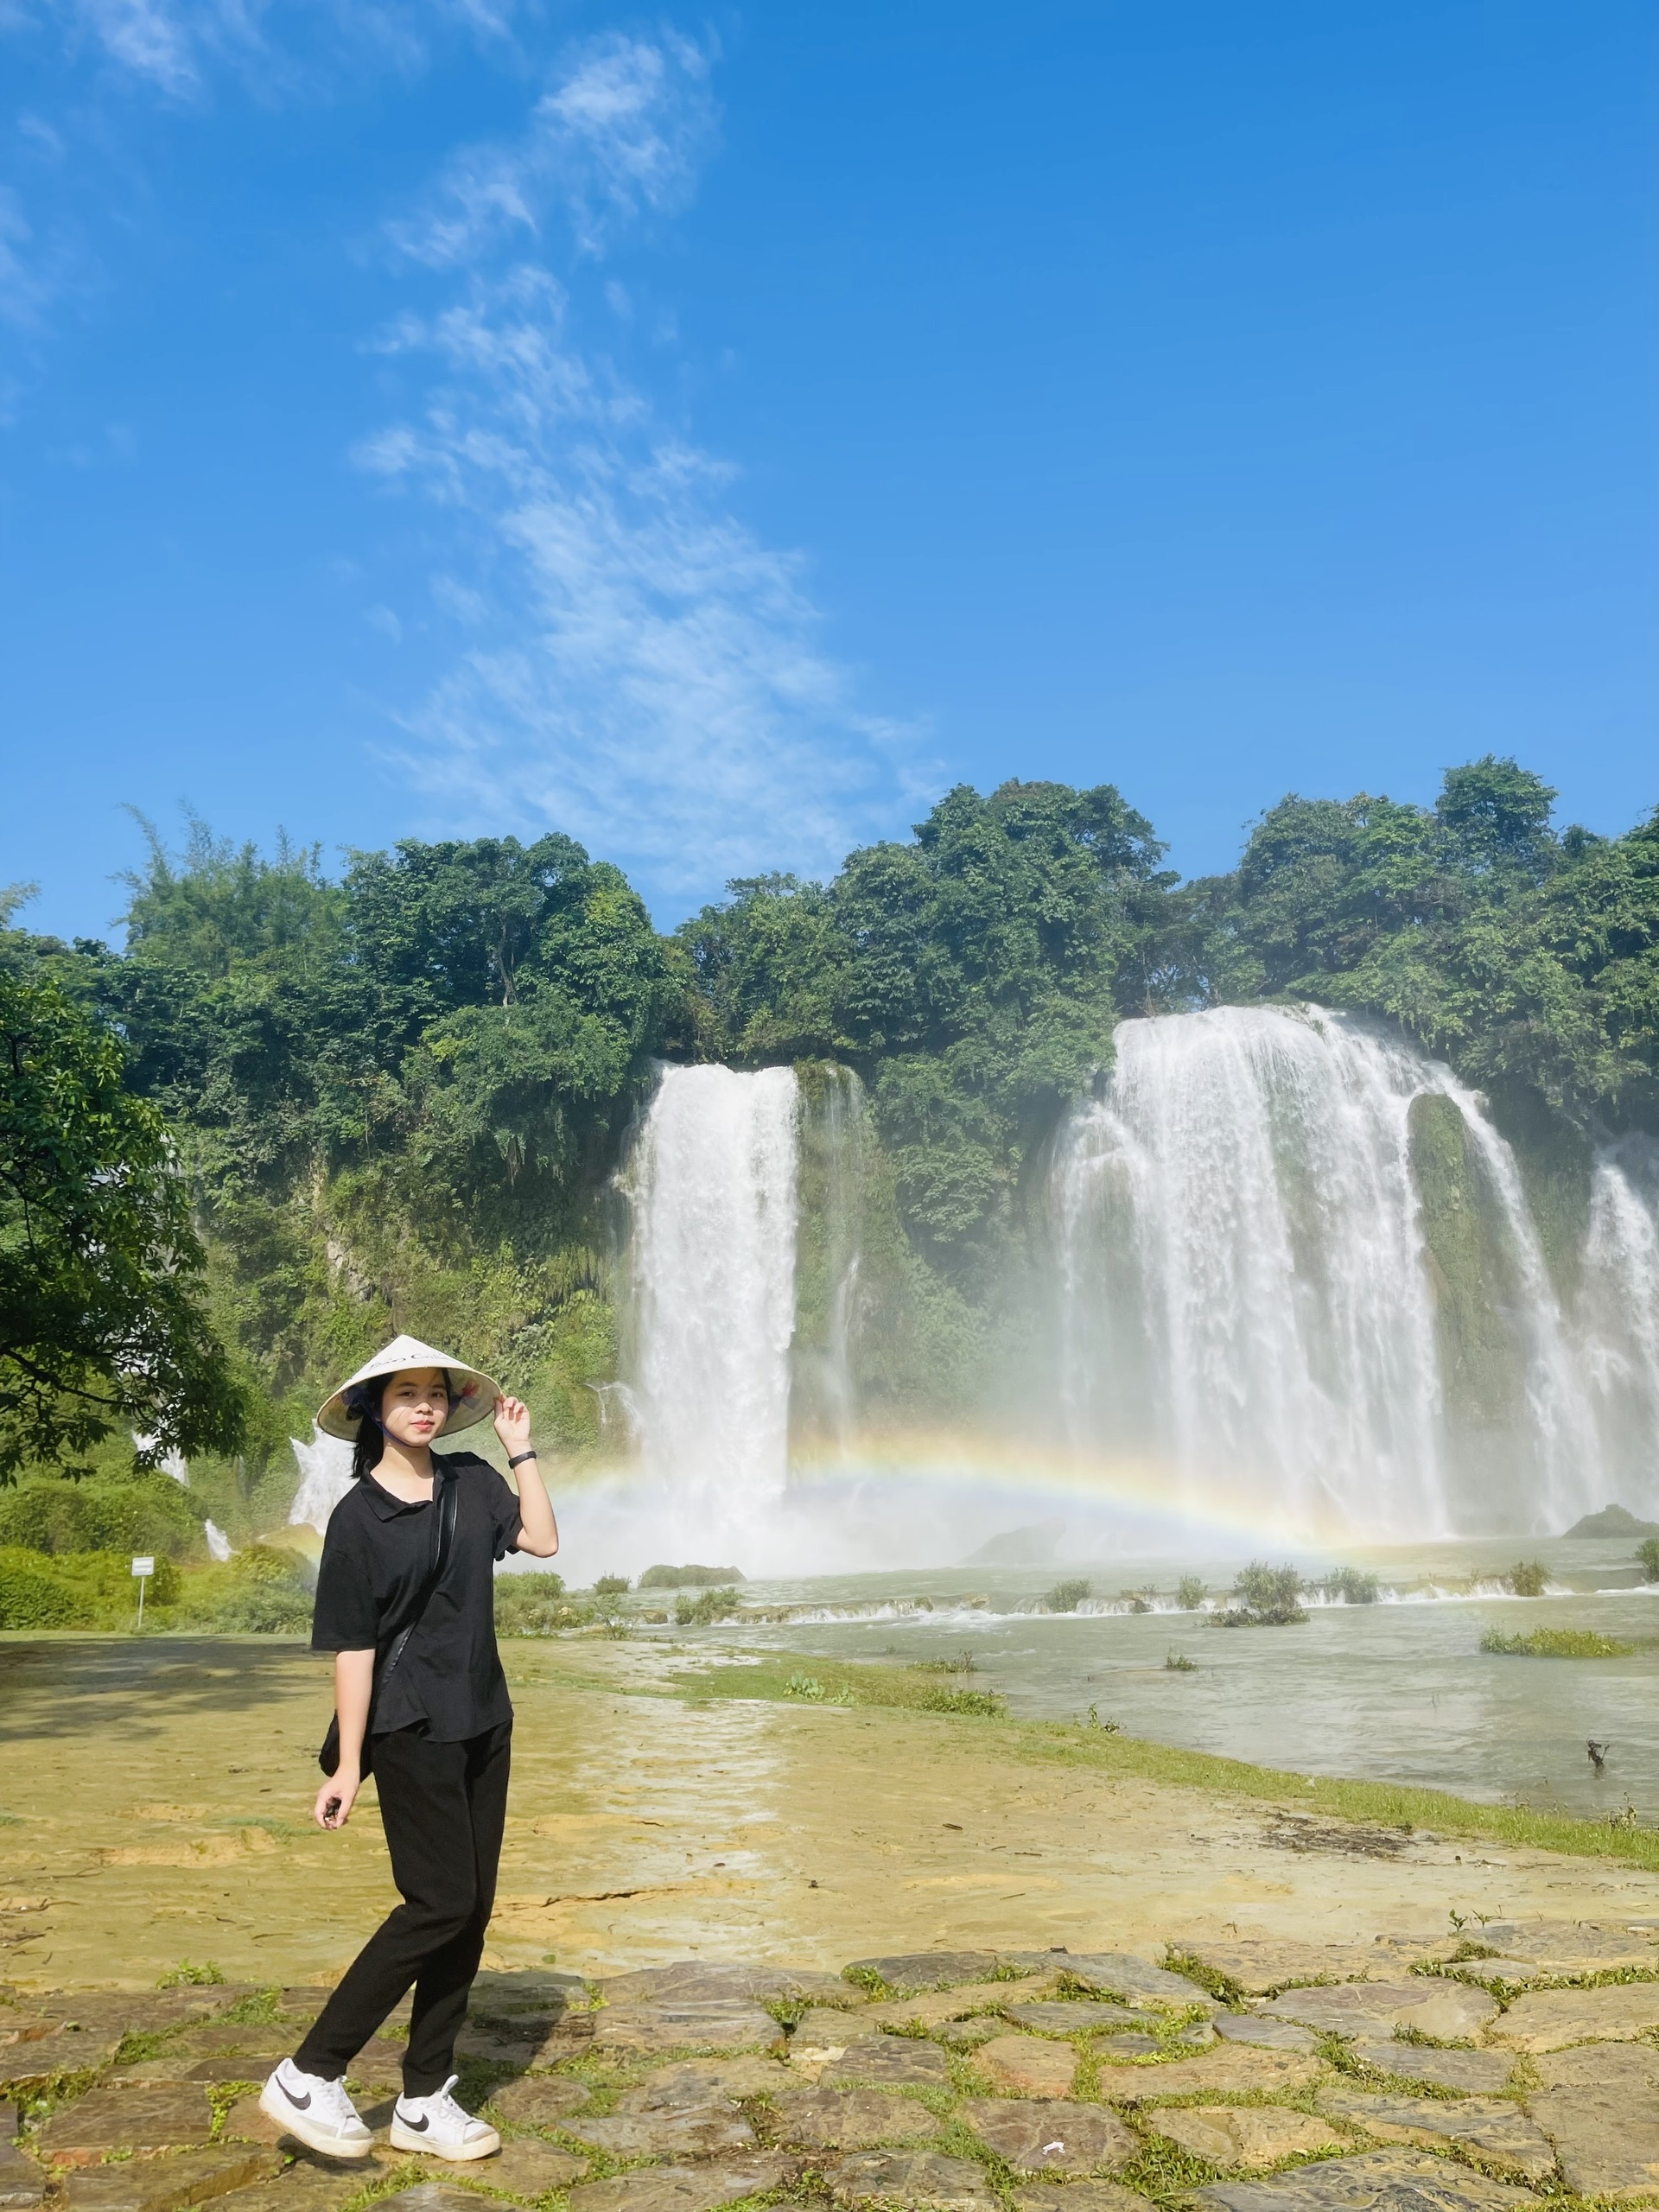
(1066, 1597)
(703, 1613)
(1270, 1597)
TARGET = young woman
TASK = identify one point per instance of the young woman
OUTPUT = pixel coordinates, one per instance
(431, 1708)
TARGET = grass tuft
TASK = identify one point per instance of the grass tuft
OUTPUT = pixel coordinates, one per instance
(1555, 1644)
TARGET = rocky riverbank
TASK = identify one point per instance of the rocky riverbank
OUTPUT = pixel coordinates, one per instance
(1488, 2069)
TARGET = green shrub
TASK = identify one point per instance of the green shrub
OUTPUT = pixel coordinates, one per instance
(1647, 1553)
(145, 1513)
(79, 1589)
(689, 1578)
(165, 1584)
(1527, 1578)
(1177, 1662)
(268, 1563)
(985, 1704)
(264, 1609)
(531, 1605)
(31, 1596)
(1555, 1644)
(811, 1691)
(1066, 1597)
(611, 1585)
(1267, 1589)
(703, 1613)
(1347, 1586)
(1189, 1593)
(1270, 1597)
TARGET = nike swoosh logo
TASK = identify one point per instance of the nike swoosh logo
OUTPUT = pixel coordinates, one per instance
(300, 2104)
(419, 2126)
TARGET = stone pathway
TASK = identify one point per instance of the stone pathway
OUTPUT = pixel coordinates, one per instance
(1403, 2077)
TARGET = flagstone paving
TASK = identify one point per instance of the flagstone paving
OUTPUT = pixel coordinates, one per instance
(1051, 2136)
(1476, 2073)
(1381, 2181)
(1549, 2019)
(1444, 2011)
(1498, 2131)
(947, 2082)
(1244, 2135)
(848, 2119)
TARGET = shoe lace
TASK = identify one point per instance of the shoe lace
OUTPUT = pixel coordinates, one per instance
(442, 2107)
(337, 2106)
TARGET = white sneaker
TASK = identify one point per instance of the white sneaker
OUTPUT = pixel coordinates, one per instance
(438, 2125)
(319, 2112)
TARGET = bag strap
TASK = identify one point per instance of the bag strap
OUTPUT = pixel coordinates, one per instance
(444, 1488)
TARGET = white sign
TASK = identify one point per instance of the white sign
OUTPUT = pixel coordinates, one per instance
(144, 1566)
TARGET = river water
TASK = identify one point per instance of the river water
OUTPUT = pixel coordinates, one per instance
(1399, 1690)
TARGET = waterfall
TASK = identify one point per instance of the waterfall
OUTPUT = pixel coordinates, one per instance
(1619, 1316)
(325, 1465)
(1247, 1291)
(833, 1136)
(711, 1189)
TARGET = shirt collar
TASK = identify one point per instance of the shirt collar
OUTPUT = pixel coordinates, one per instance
(382, 1502)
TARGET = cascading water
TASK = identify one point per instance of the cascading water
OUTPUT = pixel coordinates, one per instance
(325, 1465)
(712, 1192)
(823, 1409)
(1248, 1292)
(1620, 1312)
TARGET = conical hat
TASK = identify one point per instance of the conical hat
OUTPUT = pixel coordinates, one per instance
(472, 1393)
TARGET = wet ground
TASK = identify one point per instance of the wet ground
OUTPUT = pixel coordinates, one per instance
(155, 1796)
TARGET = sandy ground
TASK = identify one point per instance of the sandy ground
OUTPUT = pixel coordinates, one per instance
(155, 1797)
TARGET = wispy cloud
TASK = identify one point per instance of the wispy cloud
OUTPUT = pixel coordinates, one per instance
(176, 48)
(116, 68)
(643, 671)
(648, 675)
(620, 136)
(22, 284)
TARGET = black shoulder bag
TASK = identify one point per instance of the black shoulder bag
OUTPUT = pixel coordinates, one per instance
(443, 1535)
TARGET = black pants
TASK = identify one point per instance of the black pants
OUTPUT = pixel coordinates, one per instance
(443, 1807)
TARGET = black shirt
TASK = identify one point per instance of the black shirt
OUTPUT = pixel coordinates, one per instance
(376, 1555)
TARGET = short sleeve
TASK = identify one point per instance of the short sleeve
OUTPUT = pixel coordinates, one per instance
(346, 1617)
(503, 1509)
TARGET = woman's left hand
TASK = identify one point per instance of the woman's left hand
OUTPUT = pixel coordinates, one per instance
(512, 1424)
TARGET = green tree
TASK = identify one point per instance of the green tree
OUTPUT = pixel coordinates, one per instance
(974, 976)
(100, 1319)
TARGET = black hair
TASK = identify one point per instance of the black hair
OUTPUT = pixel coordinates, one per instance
(366, 1400)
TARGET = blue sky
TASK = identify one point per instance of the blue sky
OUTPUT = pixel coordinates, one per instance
(714, 435)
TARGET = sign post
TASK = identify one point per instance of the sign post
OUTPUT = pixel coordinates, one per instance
(143, 1567)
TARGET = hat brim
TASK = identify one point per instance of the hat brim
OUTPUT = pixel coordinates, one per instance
(472, 1399)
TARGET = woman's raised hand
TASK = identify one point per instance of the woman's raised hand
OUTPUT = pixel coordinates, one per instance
(512, 1424)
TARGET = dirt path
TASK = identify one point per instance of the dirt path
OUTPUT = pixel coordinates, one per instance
(155, 1799)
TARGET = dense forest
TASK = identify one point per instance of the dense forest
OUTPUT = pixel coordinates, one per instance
(397, 1096)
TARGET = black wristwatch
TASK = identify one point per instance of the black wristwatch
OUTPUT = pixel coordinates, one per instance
(521, 1458)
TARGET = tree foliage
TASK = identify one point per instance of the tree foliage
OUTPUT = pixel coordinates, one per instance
(973, 975)
(101, 1319)
(1530, 961)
